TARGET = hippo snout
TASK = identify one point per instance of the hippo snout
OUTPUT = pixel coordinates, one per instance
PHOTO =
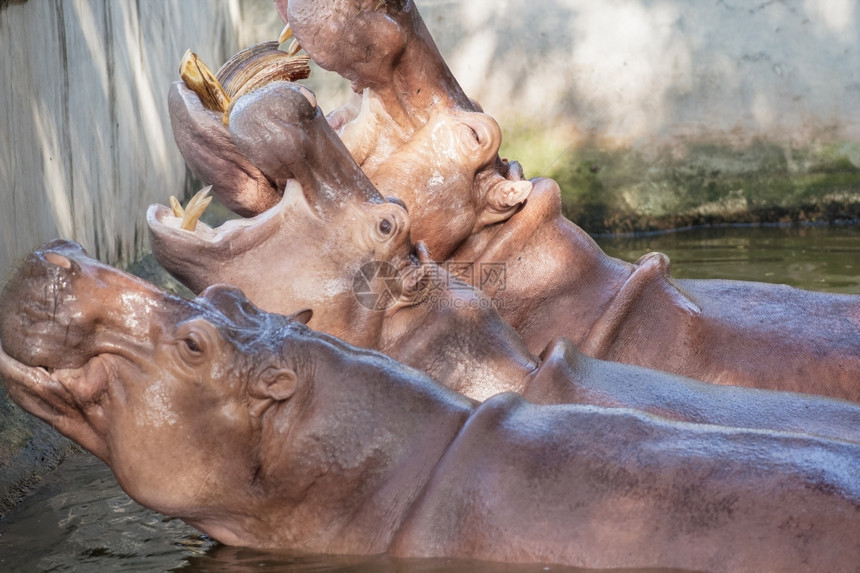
(31, 316)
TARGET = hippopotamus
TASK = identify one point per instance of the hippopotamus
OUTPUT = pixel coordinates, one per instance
(610, 309)
(331, 230)
(385, 125)
(558, 281)
(435, 323)
(264, 433)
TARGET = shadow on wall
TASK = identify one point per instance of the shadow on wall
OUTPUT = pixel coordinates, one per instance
(85, 116)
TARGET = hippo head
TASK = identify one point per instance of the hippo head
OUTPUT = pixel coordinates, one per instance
(416, 134)
(127, 371)
(309, 248)
(378, 34)
(247, 425)
(450, 177)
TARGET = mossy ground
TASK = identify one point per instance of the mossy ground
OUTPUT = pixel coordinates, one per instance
(628, 190)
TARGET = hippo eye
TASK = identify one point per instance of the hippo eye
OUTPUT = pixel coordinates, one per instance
(195, 341)
(385, 227)
(192, 345)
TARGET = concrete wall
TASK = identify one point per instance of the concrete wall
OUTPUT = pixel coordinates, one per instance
(660, 113)
(85, 142)
(668, 112)
(640, 71)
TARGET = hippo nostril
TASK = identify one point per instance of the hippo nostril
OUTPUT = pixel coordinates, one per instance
(59, 260)
(515, 171)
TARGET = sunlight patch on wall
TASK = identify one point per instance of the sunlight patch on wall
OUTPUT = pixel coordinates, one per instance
(92, 34)
(53, 173)
(836, 15)
(627, 51)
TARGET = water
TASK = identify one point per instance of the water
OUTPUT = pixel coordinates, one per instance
(80, 520)
(810, 257)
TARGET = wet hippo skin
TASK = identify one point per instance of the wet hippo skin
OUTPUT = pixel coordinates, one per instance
(276, 436)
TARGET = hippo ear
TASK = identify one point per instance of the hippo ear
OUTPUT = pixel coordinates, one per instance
(304, 316)
(503, 199)
(278, 383)
(272, 384)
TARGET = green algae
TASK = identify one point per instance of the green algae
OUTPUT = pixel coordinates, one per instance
(625, 190)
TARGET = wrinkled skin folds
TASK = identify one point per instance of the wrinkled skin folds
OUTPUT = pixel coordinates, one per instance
(277, 436)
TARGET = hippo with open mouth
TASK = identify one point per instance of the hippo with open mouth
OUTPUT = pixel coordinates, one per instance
(331, 222)
(558, 281)
(262, 432)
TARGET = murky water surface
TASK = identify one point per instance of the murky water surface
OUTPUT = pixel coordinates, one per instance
(810, 257)
(80, 520)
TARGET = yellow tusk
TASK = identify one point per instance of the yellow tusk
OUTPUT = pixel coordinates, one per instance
(286, 34)
(178, 211)
(195, 208)
(200, 79)
(294, 48)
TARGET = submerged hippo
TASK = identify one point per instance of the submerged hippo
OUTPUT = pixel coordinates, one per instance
(558, 281)
(261, 432)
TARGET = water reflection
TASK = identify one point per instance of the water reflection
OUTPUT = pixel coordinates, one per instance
(80, 520)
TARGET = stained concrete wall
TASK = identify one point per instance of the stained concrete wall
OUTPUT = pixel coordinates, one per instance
(658, 113)
(661, 113)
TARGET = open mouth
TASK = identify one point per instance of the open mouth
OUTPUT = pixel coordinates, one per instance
(176, 228)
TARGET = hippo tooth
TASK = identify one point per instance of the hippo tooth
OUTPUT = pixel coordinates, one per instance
(276, 67)
(200, 79)
(247, 71)
(178, 211)
(286, 34)
(195, 208)
(294, 48)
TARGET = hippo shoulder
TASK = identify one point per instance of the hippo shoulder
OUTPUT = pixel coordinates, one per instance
(507, 447)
